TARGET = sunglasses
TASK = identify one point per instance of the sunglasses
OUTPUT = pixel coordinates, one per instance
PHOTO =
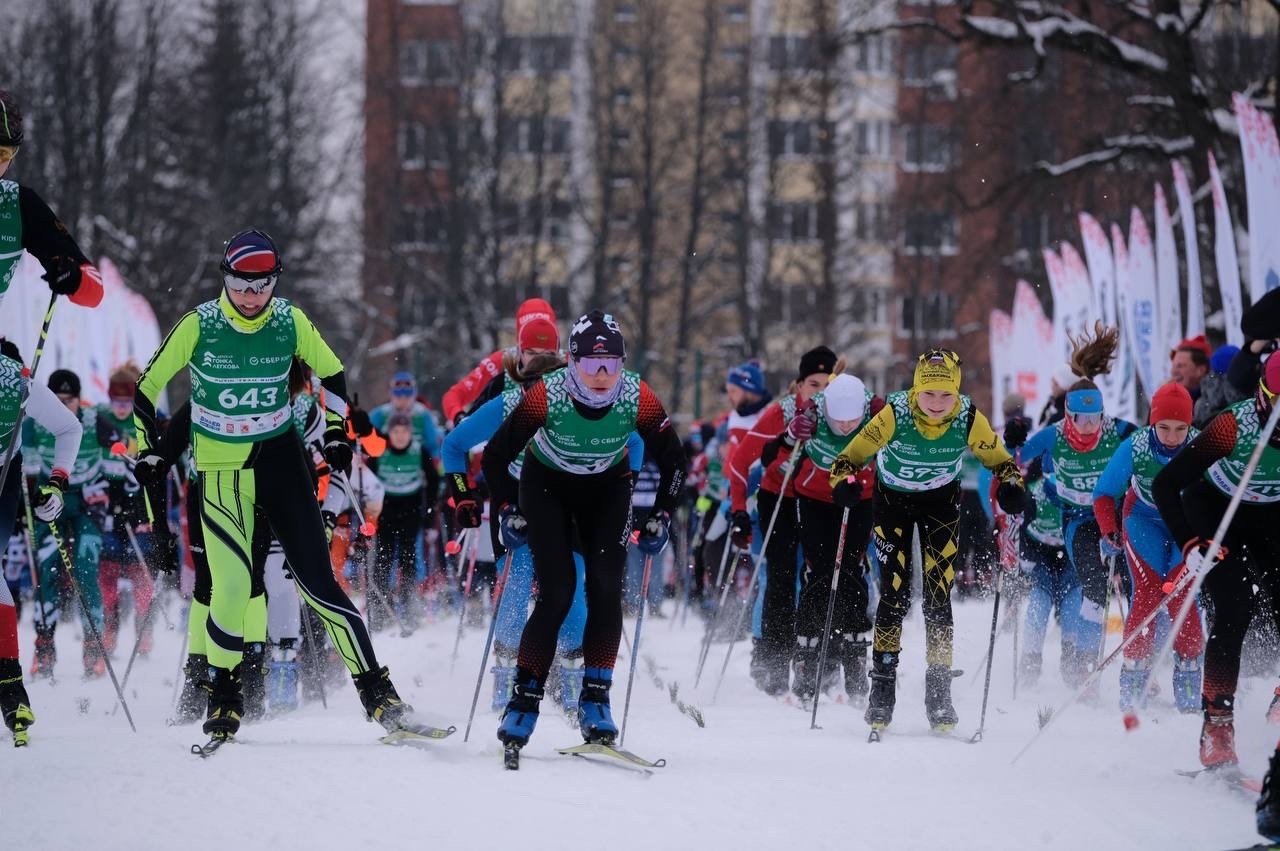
(257, 286)
(1086, 419)
(592, 364)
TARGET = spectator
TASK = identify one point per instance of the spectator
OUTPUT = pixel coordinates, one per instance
(1189, 363)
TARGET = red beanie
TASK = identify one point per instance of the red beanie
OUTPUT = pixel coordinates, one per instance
(531, 309)
(1197, 342)
(1271, 374)
(1171, 402)
(538, 333)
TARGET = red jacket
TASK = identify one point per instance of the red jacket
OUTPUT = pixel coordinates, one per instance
(459, 396)
(747, 450)
(814, 482)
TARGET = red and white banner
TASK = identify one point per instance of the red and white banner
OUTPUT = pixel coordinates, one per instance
(1187, 214)
(1033, 335)
(1168, 295)
(1003, 359)
(1262, 188)
(1150, 359)
(1118, 390)
(1226, 259)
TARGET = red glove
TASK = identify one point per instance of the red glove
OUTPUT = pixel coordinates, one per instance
(803, 424)
(89, 293)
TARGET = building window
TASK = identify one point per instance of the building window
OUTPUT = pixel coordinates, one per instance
(422, 227)
(536, 53)
(871, 221)
(734, 53)
(736, 13)
(425, 62)
(926, 147)
(928, 64)
(625, 14)
(872, 54)
(1031, 230)
(869, 307)
(873, 140)
(791, 52)
(930, 232)
(621, 96)
(795, 138)
(420, 145)
(620, 180)
(536, 135)
(929, 313)
(621, 137)
(623, 53)
(793, 222)
(522, 219)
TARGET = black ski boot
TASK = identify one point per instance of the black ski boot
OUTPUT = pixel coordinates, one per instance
(193, 701)
(777, 673)
(853, 656)
(381, 703)
(253, 677)
(757, 668)
(937, 699)
(883, 694)
(226, 704)
(15, 706)
(804, 665)
(1269, 801)
(46, 653)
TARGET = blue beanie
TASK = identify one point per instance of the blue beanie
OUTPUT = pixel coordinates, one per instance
(748, 376)
(1221, 360)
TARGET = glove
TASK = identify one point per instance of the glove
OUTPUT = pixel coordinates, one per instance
(1016, 431)
(740, 529)
(359, 421)
(466, 505)
(802, 426)
(330, 523)
(847, 493)
(842, 468)
(337, 451)
(1109, 545)
(150, 470)
(1195, 562)
(655, 533)
(1011, 497)
(63, 274)
(48, 504)
(513, 529)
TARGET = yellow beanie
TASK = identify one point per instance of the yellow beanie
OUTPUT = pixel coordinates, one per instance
(937, 369)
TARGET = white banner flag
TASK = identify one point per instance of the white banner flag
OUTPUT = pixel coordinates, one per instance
(1150, 358)
(1168, 295)
(1225, 258)
(1003, 359)
(1118, 390)
(1262, 187)
(1195, 288)
(1034, 335)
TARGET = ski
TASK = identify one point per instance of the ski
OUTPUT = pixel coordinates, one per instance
(210, 747)
(417, 733)
(598, 749)
(1230, 776)
(20, 738)
(511, 756)
(1261, 846)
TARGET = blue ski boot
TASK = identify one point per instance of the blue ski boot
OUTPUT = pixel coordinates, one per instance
(594, 718)
(521, 715)
(504, 678)
(571, 677)
(1186, 684)
(282, 678)
(1134, 674)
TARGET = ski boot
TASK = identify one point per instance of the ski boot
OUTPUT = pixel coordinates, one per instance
(46, 654)
(193, 702)
(757, 668)
(504, 677)
(1268, 810)
(571, 677)
(777, 673)
(853, 657)
(1069, 666)
(937, 699)
(594, 717)
(804, 666)
(95, 664)
(381, 703)
(520, 717)
(1030, 667)
(883, 694)
(15, 706)
(282, 678)
(1218, 735)
(226, 704)
(1273, 712)
(1186, 683)
(253, 673)
(1134, 674)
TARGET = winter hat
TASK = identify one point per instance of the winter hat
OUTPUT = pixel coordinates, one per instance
(748, 376)
(64, 382)
(531, 309)
(404, 384)
(10, 121)
(937, 369)
(1271, 375)
(1086, 401)
(845, 398)
(1196, 342)
(538, 333)
(1222, 358)
(121, 389)
(1171, 402)
(816, 360)
(251, 255)
(596, 333)
(1014, 405)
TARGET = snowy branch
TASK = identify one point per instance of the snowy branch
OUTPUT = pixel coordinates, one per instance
(1116, 147)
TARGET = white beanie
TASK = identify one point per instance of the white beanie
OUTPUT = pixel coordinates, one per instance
(845, 398)
(1064, 377)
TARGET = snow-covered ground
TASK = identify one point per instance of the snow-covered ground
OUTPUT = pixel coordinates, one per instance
(755, 777)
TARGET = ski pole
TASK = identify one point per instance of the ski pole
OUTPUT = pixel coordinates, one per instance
(1106, 609)
(31, 557)
(1193, 580)
(991, 658)
(722, 583)
(1016, 611)
(635, 645)
(30, 375)
(366, 529)
(796, 455)
(488, 642)
(831, 610)
(182, 657)
(137, 549)
(466, 595)
(88, 619)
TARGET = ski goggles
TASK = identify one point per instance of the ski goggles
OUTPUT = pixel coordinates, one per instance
(256, 286)
(592, 364)
(1086, 419)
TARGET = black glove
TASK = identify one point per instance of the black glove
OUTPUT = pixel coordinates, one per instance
(63, 274)
(466, 514)
(847, 493)
(1016, 431)
(150, 470)
(740, 529)
(1011, 497)
(337, 450)
(360, 422)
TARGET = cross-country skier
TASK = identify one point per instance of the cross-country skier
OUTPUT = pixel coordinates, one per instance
(239, 348)
(576, 423)
(457, 400)
(918, 441)
(1150, 549)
